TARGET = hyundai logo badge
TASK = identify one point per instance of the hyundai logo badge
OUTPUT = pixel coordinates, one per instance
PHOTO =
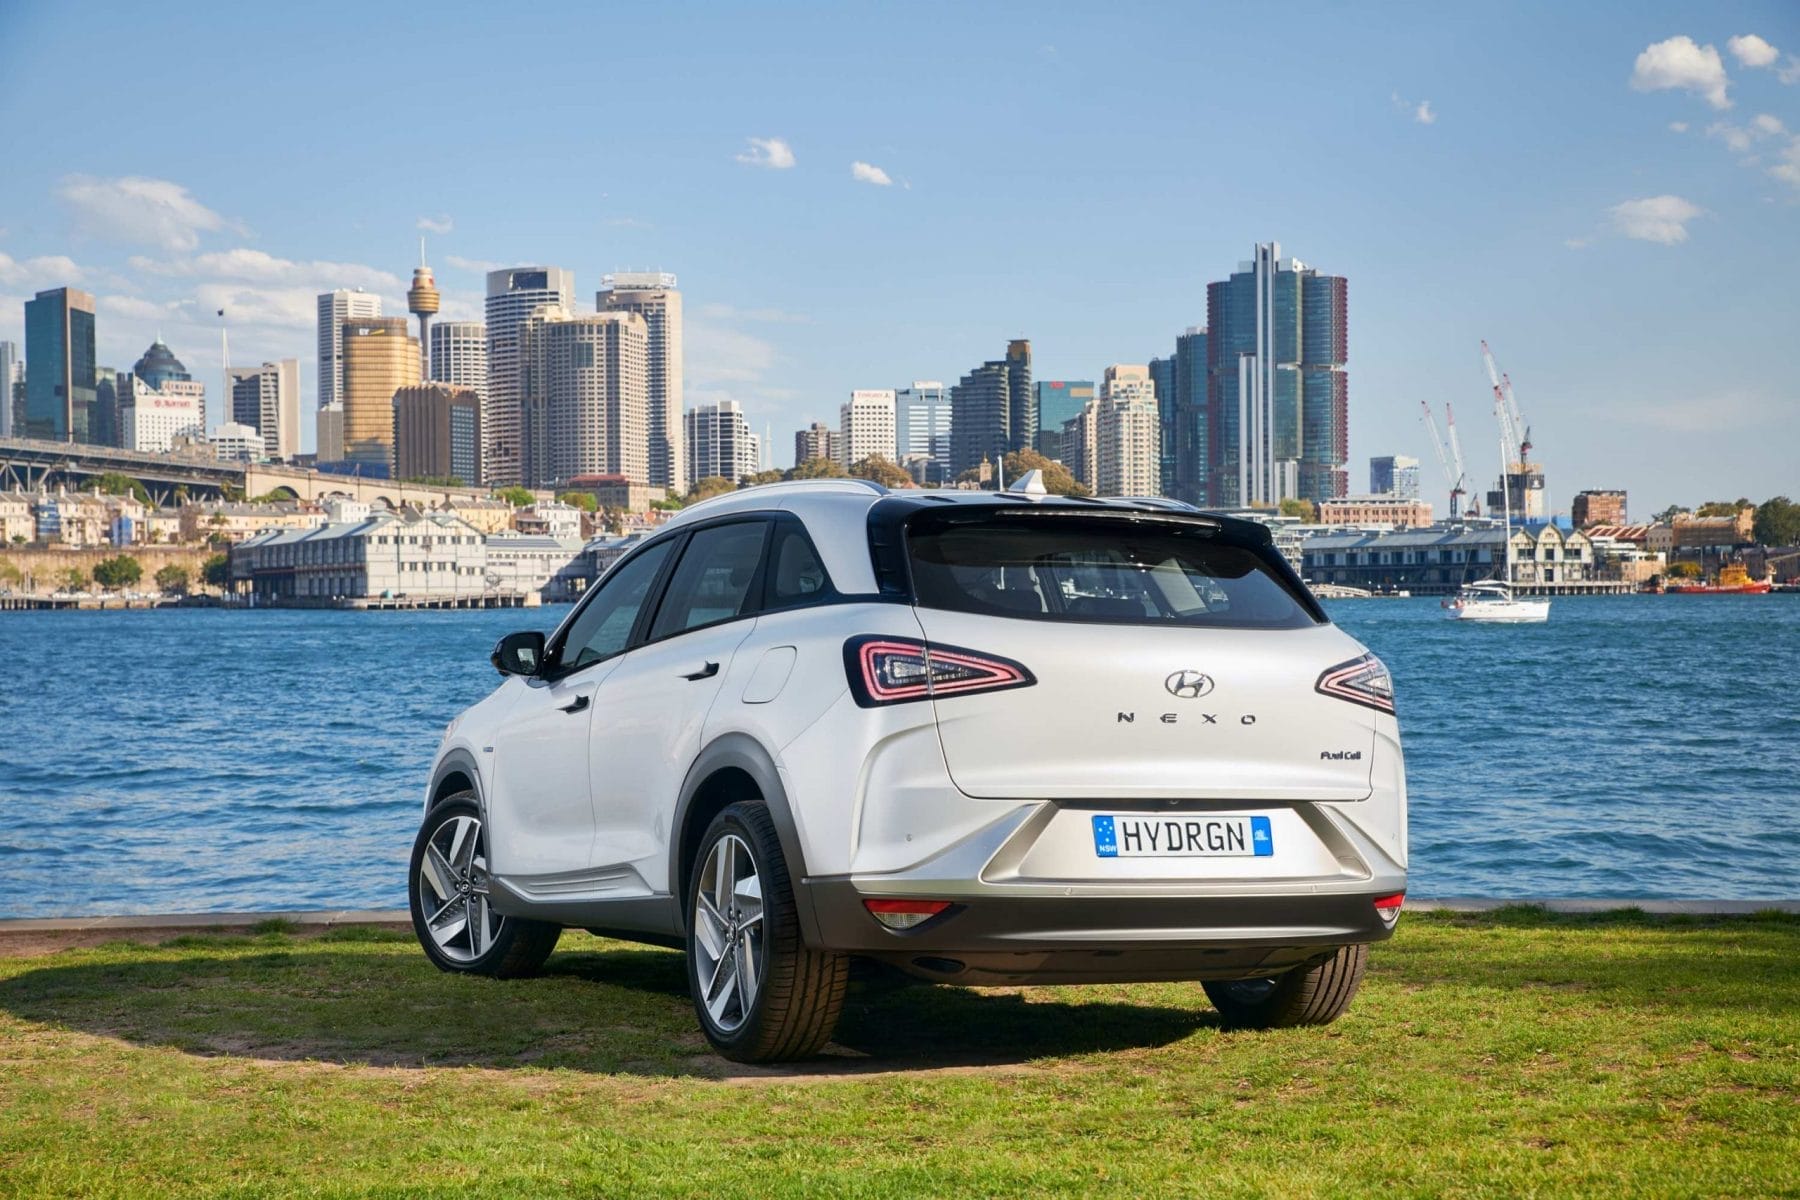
(1189, 685)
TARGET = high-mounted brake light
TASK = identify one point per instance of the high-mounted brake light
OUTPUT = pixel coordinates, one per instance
(1362, 681)
(1388, 907)
(894, 670)
(904, 914)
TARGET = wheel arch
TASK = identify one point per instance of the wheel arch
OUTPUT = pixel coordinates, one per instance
(731, 768)
(455, 772)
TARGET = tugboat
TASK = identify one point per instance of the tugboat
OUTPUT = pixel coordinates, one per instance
(1733, 580)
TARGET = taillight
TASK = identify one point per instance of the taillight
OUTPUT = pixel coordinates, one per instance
(1362, 681)
(891, 670)
(904, 914)
(1388, 907)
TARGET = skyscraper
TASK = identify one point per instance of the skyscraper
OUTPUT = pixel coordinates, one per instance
(1394, 475)
(437, 433)
(335, 308)
(422, 302)
(817, 440)
(59, 346)
(159, 401)
(866, 426)
(1162, 378)
(11, 374)
(993, 410)
(1188, 455)
(267, 398)
(1278, 394)
(585, 382)
(719, 442)
(1127, 434)
(380, 356)
(653, 296)
(513, 295)
(922, 426)
(1059, 401)
(103, 418)
(459, 355)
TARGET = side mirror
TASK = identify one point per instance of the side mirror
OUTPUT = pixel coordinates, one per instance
(518, 653)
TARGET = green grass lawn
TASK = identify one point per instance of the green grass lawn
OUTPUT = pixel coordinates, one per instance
(1509, 1054)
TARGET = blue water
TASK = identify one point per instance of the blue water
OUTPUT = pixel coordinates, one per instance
(203, 760)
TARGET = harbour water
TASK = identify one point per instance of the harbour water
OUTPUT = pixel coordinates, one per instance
(205, 760)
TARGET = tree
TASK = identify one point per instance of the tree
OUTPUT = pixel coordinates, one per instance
(518, 497)
(435, 481)
(74, 579)
(1721, 508)
(586, 501)
(115, 484)
(671, 504)
(819, 468)
(762, 477)
(216, 570)
(276, 496)
(120, 571)
(879, 469)
(1684, 570)
(1667, 516)
(1778, 522)
(707, 488)
(1058, 479)
(1293, 506)
(172, 578)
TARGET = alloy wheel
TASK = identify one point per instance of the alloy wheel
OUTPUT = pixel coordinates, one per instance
(453, 890)
(728, 932)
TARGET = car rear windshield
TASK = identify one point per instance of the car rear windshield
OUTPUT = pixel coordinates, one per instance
(1048, 566)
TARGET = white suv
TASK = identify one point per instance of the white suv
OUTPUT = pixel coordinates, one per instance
(986, 738)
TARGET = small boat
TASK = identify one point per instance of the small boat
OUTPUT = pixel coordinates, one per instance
(1492, 600)
(1733, 580)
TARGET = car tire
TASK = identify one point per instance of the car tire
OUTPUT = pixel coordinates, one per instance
(1311, 995)
(760, 992)
(447, 887)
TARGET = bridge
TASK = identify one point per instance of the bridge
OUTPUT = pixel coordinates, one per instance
(28, 464)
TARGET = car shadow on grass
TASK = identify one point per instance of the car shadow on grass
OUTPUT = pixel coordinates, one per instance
(601, 1010)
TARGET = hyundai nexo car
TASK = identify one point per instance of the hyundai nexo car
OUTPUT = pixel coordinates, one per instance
(990, 738)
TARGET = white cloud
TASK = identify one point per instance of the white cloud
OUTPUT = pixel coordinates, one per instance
(1659, 219)
(135, 308)
(864, 172)
(776, 316)
(1678, 126)
(1787, 169)
(479, 265)
(719, 355)
(1680, 63)
(1751, 51)
(773, 153)
(255, 266)
(1423, 115)
(152, 212)
(1767, 125)
(440, 225)
(1421, 112)
(1789, 72)
(46, 271)
(1735, 136)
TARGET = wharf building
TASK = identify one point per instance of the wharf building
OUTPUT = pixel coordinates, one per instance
(1059, 401)
(513, 294)
(866, 427)
(1277, 419)
(267, 398)
(719, 443)
(817, 440)
(437, 433)
(380, 356)
(584, 380)
(654, 296)
(405, 554)
(993, 410)
(1546, 560)
(59, 347)
(1127, 434)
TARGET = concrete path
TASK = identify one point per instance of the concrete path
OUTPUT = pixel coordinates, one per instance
(399, 916)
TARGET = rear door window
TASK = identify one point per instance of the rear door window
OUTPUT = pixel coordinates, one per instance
(713, 581)
(1049, 566)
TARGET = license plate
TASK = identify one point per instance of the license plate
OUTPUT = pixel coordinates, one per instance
(1182, 837)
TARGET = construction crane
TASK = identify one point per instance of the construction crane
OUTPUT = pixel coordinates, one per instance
(1454, 478)
(1512, 422)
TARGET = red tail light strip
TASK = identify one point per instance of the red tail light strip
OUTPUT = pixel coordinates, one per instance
(885, 670)
(1362, 681)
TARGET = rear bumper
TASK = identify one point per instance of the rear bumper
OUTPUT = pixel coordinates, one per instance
(991, 938)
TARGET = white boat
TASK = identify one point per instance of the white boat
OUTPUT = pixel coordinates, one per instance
(1492, 600)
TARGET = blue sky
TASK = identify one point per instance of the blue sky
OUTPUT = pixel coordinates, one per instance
(1609, 194)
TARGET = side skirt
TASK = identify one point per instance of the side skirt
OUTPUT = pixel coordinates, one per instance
(654, 919)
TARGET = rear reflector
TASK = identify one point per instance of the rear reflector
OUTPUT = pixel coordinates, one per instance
(894, 670)
(904, 914)
(1388, 907)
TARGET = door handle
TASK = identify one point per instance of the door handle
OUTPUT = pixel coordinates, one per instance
(576, 705)
(706, 672)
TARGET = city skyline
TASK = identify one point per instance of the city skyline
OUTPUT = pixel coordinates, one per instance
(1615, 262)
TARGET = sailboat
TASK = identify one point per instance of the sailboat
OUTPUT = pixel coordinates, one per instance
(1492, 600)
